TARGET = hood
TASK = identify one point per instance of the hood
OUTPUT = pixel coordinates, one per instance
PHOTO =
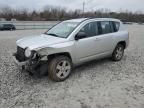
(38, 42)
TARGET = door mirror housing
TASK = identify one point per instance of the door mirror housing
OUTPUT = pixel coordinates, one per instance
(80, 35)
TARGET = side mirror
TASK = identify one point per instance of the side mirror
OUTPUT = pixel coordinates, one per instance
(80, 35)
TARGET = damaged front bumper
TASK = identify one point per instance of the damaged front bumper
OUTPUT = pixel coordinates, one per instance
(29, 65)
(20, 64)
(25, 65)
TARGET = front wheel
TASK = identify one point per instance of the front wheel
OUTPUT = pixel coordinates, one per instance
(118, 53)
(60, 68)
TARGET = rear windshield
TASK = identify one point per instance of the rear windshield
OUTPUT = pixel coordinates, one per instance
(8, 25)
(1, 25)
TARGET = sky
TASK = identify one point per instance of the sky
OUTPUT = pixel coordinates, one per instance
(113, 5)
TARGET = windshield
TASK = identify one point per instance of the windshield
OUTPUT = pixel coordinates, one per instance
(1, 25)
(62, 29)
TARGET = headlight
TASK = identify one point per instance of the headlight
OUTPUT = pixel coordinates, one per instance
(28, 52)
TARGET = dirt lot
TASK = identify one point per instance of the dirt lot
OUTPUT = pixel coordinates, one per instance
(98, 84)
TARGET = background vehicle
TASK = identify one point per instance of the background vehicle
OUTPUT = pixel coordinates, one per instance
(7, 27)
(72, 43)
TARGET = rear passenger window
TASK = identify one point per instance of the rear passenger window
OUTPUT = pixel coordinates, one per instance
(105, 27)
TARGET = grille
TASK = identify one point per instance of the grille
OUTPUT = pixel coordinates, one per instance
(21, 54)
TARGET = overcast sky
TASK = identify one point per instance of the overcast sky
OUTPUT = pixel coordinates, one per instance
(113, 5)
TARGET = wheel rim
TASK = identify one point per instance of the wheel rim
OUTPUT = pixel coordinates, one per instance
(119, 53)
(63, 69)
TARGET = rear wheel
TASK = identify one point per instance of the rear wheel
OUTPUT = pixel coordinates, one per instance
(60, 68)
(118, 52)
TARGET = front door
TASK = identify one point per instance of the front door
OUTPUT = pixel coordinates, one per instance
(86, 47)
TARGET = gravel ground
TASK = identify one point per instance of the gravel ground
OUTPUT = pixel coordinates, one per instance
(97, 84)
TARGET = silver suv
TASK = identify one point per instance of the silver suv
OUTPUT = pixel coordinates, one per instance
(71, 43)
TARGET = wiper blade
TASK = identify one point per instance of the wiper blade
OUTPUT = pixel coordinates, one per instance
(52, 34)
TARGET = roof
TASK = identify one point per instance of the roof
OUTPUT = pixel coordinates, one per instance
(96, 19)
(106, 19)
(77, 20)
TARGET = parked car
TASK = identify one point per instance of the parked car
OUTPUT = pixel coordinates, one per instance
(7, 27)
(71, 43)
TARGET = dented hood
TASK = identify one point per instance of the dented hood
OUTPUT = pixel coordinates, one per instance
(38, 42)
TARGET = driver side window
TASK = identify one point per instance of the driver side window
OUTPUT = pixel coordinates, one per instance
(90, 29)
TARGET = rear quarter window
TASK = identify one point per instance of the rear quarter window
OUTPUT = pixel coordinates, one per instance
(116, 25)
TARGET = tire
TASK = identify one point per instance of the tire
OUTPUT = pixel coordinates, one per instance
(13, 28)
(118, 53)
(59, 68)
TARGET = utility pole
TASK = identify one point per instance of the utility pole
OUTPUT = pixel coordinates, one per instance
(83, 8)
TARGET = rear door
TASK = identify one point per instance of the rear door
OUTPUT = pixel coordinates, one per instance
(104, 41)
